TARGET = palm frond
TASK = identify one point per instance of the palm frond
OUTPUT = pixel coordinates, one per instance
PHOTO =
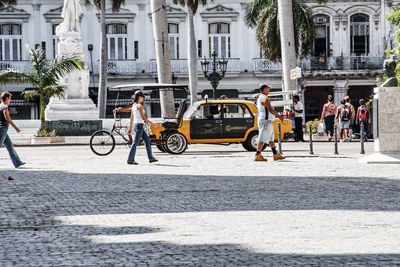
(61, 66)
(31, 95)
(192, 4)
(4, 3)
(115, 4)
(254, 9)
(15, 77)
(53, 90)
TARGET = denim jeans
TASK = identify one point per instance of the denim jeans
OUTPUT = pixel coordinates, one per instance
(140, 133)
(5, 139)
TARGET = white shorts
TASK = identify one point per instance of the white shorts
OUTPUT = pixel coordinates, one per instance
(265, 131)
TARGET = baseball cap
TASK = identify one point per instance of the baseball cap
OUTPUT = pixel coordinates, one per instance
(263, 85)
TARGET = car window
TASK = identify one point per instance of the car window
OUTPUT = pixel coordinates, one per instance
(236, 111)
(207, 111)
(191, 110)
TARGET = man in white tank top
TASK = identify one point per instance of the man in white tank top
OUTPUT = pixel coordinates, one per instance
(266, 114)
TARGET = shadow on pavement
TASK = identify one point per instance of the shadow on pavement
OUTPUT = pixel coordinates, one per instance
(30, 234)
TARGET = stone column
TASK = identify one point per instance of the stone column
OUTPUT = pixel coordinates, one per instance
(388, 108)
(339, 93)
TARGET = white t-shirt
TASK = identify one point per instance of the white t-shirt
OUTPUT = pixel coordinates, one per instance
(298, 106)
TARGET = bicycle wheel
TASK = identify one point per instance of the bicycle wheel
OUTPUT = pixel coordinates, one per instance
(102, 143)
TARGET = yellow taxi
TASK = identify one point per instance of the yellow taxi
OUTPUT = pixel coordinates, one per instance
(213, 121)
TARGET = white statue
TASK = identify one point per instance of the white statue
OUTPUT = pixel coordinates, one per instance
(71, 13)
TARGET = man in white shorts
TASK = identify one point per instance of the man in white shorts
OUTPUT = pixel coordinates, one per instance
(266, 114)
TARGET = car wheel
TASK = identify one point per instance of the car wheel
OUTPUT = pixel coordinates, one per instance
(251, 143)
(175, 143)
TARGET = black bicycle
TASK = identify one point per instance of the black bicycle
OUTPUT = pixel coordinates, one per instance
(102, 142)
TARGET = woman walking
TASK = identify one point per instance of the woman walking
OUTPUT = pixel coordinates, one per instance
(138, 118)
(5, 121)
(328, 115)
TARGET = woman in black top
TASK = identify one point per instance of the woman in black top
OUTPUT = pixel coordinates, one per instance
(5, 121)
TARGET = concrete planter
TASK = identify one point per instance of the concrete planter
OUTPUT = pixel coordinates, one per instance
(47, 140)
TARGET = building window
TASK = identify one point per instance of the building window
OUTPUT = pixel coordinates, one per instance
(117, 41)
(359, 35)
(219, 39)
(173, 34)
(10, 42)
(322, 39)
(136, 47)
(54, 40)
(199, 48)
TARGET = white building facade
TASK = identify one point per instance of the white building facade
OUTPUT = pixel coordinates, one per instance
(347, 56)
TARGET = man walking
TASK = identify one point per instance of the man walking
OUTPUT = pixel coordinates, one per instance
(343, 115)
(353, 115)
(266, 114)
(298, 118)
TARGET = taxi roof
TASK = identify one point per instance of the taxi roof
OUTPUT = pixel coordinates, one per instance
(148, 86)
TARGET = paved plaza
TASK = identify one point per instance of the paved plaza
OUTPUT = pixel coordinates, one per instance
(211, 206)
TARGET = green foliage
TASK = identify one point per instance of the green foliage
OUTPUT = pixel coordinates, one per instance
(263, 16)
(3, 3)
(43, 77)
(193, 4)
(45, 131)
(115, 4)
(394, 19)
(314, 126)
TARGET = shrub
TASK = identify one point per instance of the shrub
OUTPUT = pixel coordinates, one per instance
(45, 131)
(314, 126)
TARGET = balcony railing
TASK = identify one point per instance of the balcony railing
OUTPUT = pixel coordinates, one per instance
(266, 66)
(21, 65)
(181, 65)
(341, 63)
(121, 66)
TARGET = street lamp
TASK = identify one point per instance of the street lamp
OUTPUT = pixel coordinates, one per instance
(214, 77)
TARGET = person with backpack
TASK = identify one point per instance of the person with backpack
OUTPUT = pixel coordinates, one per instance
(363, 116)
(353, 116)
(343, 115)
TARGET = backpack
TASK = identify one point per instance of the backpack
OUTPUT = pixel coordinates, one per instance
(363, 112)
(345, 113)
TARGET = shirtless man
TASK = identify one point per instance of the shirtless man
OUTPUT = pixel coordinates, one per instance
(266, 114)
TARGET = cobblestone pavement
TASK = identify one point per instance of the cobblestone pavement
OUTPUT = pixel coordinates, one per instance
(212, 206)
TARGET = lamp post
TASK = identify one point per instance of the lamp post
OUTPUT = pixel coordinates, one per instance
(214, 77)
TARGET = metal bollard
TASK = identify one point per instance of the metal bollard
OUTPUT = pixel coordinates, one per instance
(336, 145)
(362, 138)
(311, 143)
(279, 139)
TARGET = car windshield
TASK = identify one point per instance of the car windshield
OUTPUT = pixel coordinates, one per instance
(188, 114)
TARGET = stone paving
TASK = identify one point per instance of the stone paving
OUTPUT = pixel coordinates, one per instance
(212, 206)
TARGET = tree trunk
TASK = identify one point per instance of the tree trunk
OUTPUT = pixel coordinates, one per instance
(102, 93)
(192, 58)
(285, 16)
(42, 112)
(160, 30)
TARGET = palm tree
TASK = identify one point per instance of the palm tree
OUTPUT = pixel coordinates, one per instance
(43, 76)
(4, 3)
(297, 27)
(192, 6)
(160, 31)
(101, 5)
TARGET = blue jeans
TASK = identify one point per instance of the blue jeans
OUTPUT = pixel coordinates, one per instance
(140, 133)
(5, 139)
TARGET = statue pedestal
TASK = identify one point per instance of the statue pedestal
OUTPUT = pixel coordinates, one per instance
(387, 126)
(71, 109)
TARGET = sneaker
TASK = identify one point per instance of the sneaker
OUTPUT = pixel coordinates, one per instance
(132, 163)
(153, 160)
(259, 157)
(22, 163)
(279, 156)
